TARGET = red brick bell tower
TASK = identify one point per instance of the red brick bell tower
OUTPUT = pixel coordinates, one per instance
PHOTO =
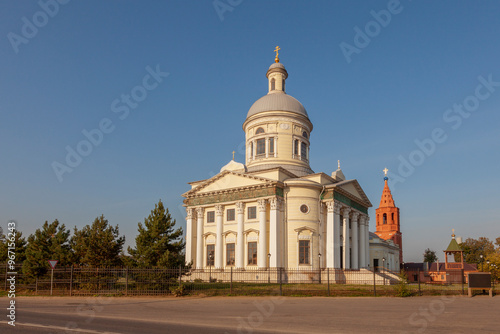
(387, 220)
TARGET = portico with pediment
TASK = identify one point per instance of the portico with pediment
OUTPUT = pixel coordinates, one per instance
(274, 210)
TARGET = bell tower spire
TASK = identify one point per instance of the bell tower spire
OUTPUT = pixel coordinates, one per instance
(387, 218)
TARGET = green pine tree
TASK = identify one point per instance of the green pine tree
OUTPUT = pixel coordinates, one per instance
(49, 243)
(98, 245)
(158, 243)
(19, 248)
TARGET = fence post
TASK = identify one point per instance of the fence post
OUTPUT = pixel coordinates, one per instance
(71, 282)
(328, 280)
(126, 281)
(419, 291)
(180, 276)
(462, 273)
(374, 285)
(231, 284)
(51, 280)
(36, 285)
(281, 282)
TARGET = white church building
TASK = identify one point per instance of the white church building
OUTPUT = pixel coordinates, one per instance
(273, 210)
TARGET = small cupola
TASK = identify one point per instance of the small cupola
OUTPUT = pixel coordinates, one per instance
(276, 75)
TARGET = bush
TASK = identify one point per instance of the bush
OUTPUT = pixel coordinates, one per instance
(178, 291)
(402, 288)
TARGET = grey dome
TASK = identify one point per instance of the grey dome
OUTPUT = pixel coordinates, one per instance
(277, 65)
(277, 101)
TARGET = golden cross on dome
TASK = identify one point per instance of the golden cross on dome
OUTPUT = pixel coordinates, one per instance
(277, 60)
(453, 233)
(385, 171)
(233, 154)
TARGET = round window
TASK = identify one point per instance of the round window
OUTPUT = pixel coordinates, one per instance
(304, 208)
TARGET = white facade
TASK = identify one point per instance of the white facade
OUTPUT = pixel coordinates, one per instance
(383, 254)
(274, 211)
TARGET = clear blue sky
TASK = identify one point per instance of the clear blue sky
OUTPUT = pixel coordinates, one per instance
(367, 113)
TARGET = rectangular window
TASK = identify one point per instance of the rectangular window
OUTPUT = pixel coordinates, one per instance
(295, 147)
(271, 145)
(210, 255)
(304, 251)
(230, 254)
(252, 212)
(210, 216)
(230, 214)
(252, 253)
(261, 146)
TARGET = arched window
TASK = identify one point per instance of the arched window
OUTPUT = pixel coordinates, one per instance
(392, 217)
(385, 219)
(259, 131)
(304, 134)
(273, 84)
(283, 84)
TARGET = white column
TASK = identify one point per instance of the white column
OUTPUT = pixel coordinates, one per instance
(267, 147)
(273, 232)
(346, 245)
(336, 234)
(249, 152)
(275, 146)
(330, 233)
(240, 240)
(189, 235)
(367, 243)
(322, 236)
(219, 210)
(199, 238)
(282, 236)
(354, 240)
(254, 146)
(362, 242)
(262, 252)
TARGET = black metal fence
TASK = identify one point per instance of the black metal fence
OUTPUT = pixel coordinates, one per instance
(80, 281)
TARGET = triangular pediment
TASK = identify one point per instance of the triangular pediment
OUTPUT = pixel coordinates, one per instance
(353, 189)
(228, 180)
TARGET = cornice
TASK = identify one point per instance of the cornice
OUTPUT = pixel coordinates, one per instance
(277, 116)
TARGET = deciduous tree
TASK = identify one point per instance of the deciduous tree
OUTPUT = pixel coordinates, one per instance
(473, 249)
(430, 256)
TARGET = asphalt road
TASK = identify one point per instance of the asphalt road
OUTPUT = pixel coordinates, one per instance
(454, 314)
